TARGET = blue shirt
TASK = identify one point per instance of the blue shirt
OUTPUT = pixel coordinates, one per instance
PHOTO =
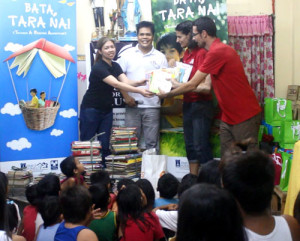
(163, 201)
(47, 234)
(67, 234)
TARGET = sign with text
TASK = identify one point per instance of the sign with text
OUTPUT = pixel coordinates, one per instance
(38, 105)
(168, 13)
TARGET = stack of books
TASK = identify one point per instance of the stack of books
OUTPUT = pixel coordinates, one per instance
(89, 154)
(124, 140)
(124, 166)
(19, 179)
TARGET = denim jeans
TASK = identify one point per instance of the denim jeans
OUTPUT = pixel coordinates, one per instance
(94, 121)
(197, 120)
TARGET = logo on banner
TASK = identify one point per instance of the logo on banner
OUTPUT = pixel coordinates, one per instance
(54, 164)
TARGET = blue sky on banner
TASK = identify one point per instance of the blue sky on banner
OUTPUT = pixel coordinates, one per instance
(24, 22)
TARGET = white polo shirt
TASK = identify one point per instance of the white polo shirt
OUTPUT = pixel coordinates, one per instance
(135, 65)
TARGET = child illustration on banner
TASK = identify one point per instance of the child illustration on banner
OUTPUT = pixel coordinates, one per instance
(171, 109)
(42, 99)
(34, 103)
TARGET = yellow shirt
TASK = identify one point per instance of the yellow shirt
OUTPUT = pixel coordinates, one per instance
(174, 120)
(34, 102)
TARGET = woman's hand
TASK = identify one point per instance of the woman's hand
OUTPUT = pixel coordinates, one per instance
(130, 101)
(161, 94)
(175, 83)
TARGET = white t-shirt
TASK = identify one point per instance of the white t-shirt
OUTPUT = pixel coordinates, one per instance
(135, 65)
(168, 219)
(281, 232)
(3, 236)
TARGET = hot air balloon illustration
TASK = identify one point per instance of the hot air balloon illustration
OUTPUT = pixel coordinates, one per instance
(54, 57)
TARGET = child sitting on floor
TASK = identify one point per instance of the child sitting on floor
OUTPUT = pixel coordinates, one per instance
(102, 177)
(167, 187)
(27, 226)
(51, 213)
(73, 170)
(135, 222)
(105, 226)
(76, 205)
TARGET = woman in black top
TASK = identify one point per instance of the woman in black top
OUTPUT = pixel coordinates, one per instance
(96, 108)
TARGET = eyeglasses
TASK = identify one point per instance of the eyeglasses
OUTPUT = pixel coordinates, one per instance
(195, 34)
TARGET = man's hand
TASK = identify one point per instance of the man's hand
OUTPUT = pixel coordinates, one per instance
(141, 82)
(130, 101)
(161, 94)
(175, 83)
(146, 93)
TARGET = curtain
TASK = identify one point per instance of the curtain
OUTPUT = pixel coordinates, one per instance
(252, 38)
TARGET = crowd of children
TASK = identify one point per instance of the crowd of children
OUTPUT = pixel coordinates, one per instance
(228, 200)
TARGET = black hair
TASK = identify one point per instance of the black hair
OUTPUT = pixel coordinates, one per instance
(167, 186)
(148, 190)
(76, 202)
(296, 213)
(50, 210)
(169, 40)
(68, 165)
(145, 24)
(250, 178)
(100, 176)
(31, 194)
(186, 182)
(99, 46)
(186, 28)
(100, 196)
(130, 206)
(207, 24)
(124, 182)
(4, 180)
(49, 185)
(209, 213)
(33, 90)
(12, 217)
(210, 173)
(4, 222)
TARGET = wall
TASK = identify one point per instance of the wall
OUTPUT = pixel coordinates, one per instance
(287, 49)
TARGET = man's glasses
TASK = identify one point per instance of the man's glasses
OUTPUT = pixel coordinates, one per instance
(195, 34)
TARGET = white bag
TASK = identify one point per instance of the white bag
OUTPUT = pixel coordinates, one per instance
(153, 167)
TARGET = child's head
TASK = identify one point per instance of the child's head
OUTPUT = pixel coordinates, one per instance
(4, 180)
(70, 166)
(207, 212)
(167, 186)
(187, 181)
(210, 173)
(130, 202)
(102, 177)
(148, 190)
(124, 182)
(100, 196)
(31, 194)
(76, 203)
(169, 47)
(50, 210)
(33, 92)
(250, 178)
(43, 95)
(48, 186)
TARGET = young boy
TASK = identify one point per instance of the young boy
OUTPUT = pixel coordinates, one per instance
(34, 103)
(76, 204)
(167, 186)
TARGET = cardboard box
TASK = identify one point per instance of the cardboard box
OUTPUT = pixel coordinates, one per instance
(293, 92)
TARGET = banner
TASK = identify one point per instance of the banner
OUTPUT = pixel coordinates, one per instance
(168, 13)
(38, 59)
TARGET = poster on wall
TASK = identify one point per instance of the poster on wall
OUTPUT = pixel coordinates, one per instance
(38, 105)
(167, 14)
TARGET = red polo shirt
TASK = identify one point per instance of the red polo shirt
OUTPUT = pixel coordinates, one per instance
(235, 96)
(195, 58)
